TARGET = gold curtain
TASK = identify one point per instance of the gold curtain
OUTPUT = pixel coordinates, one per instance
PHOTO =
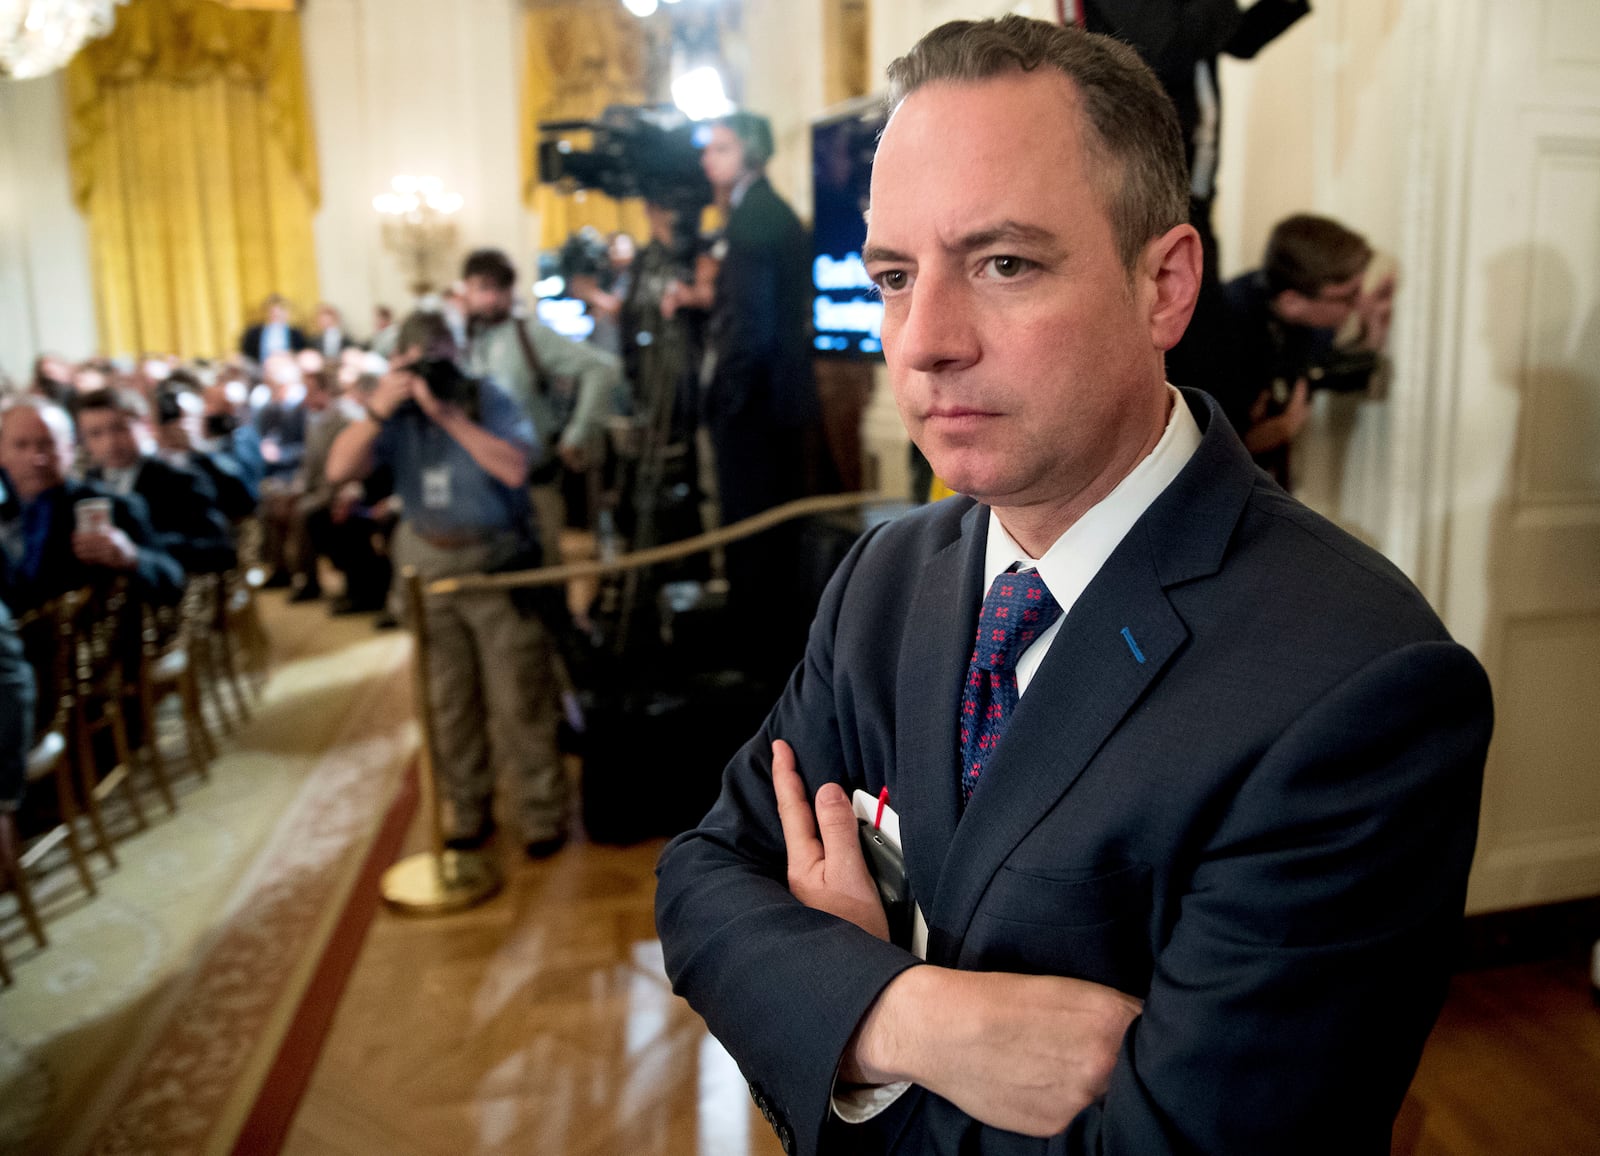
(580, 57)
(194, 163)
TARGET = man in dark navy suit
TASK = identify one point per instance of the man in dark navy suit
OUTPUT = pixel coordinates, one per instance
(47, 552)
(759, 397)
(113, 425)
(274, 334)
(1186, 779)
(759, 392)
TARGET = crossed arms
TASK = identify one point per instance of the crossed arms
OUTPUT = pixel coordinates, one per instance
(1298, 953)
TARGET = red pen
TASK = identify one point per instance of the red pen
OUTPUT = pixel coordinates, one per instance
(883, 801)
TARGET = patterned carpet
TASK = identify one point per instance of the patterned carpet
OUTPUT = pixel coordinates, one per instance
(150, 1022)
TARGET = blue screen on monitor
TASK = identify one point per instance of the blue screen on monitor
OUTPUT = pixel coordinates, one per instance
(847, 314)
(566, 315)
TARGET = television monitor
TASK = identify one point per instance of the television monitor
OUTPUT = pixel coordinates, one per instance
(568, 316)
(846, 311)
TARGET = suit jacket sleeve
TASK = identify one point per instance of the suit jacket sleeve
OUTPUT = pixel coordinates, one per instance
(157, 577)
(781, 985)
(1169, 35)
(17, 695)
(1291, 1002)
(205, 544)
(1263, 23)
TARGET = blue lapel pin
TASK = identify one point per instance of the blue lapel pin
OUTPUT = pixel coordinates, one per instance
(1127, 636)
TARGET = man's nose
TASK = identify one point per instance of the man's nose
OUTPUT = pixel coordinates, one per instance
(936, 331)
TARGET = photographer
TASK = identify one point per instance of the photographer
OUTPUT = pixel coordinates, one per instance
(562, 385)
(1286, 321)
(460, 450)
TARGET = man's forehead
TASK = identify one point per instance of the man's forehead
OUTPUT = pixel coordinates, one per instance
(992, 150)
(30, 421)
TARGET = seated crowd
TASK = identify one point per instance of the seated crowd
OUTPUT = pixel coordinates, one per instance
(135, 487)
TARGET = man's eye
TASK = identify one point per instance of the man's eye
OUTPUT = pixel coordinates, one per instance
(892, 280)
(1006, 267)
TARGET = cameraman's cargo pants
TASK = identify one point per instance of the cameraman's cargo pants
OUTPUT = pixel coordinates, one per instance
(492, 687)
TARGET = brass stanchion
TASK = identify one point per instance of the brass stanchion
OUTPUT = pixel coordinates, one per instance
(436, 881)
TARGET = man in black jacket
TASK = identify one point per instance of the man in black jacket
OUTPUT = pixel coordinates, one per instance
(17, 698)
(759, 393)
(759, 398)
(183, 503)
(47, 552)
(181, 441)
(274, 334)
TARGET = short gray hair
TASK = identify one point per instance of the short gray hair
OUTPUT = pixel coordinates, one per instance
(1135, 146)
(53, 416)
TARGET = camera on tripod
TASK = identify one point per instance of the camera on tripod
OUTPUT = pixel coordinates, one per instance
(646, 151)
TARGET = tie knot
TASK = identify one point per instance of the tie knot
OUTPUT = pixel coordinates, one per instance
(1017, 609)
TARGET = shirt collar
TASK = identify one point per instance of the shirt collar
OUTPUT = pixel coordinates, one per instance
(740, 188)
(1073, 559)
(121, 481)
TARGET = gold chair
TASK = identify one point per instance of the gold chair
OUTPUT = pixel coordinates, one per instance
(105, 647)
(47, 639)
(166, 670)
(14, 876)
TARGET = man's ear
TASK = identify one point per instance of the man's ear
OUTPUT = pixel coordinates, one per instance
(1170, 270)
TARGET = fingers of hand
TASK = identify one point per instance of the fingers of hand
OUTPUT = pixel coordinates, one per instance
(794, 813)
(841, 845)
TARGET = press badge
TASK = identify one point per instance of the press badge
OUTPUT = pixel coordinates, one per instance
(436, 488)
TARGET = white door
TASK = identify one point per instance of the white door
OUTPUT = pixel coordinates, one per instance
(1515, 546)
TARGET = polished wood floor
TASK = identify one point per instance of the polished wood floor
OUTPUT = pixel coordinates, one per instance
(1512, 1067)
(542, 1023)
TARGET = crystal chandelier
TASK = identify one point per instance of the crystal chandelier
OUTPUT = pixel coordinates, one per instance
(418, 226)
(40, 36)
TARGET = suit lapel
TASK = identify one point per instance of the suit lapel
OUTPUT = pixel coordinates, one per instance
(933, 667)
(1090, 679)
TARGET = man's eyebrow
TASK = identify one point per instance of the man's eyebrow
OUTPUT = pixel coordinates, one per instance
(1002, 232)
(873, 253)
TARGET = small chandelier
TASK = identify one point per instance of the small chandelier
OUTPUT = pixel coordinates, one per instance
(40, 36)
(419, 226)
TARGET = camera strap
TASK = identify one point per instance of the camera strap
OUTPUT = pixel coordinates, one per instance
(541, 383)
(561, 399)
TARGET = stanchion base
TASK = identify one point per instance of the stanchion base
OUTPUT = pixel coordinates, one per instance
(423, 885)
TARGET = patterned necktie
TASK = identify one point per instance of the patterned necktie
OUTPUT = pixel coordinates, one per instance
(1017, 609)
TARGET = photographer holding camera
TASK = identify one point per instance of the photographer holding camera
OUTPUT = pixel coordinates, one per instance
(461, 450)
(1287, 319)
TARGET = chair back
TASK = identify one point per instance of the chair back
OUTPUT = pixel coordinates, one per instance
(48, 634)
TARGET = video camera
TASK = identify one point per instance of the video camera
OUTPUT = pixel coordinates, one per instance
(646, 151)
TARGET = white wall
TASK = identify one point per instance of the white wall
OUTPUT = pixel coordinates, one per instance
(46, 299)
(783, 81)
(412, 86)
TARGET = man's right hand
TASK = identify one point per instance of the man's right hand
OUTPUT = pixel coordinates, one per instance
(827, 870)
(1023, 1053)
(393, 389)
